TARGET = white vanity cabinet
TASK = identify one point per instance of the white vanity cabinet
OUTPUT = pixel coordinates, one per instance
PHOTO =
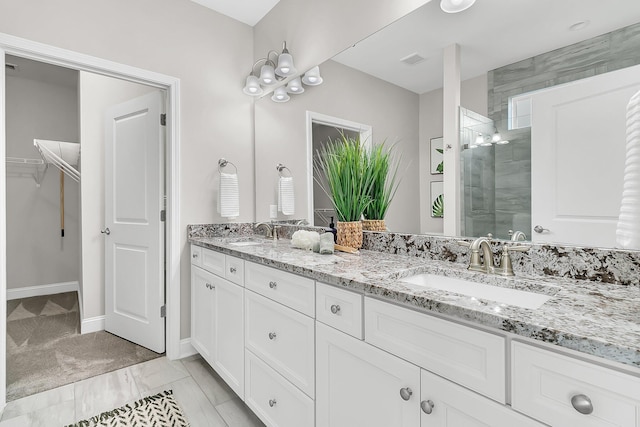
(217, 316)
(280, 346)
(563, 391)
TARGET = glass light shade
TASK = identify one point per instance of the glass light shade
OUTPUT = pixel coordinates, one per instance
(455, 6)
(295, 86)
(312, 77)
(267, 75)
(496, 137)
(280, 95)
(252, 87)
(479, 140)
(285, 65)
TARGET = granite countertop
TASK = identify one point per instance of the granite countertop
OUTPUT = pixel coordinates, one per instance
(598, 319)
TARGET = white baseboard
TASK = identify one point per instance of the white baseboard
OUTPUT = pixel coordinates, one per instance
(39, 290)
(92, 324)
(186, 349)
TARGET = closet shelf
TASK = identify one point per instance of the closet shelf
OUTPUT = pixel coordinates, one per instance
(22, 167)
(63, 155)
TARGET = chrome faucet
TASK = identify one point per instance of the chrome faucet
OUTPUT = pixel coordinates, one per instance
(482, 262)
(517, 235)
(268, 228)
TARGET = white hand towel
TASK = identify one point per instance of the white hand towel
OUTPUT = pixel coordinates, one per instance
(286, 200)
(229, 195)
(628, 230)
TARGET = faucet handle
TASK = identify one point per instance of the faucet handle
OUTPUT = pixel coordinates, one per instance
(464, 243)
(517, 248)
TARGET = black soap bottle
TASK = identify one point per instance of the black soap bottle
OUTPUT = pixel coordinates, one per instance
(332, 228)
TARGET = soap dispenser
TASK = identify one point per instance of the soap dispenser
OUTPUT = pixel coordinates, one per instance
(332, 228)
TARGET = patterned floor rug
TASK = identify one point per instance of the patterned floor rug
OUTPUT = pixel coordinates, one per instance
(158, 410)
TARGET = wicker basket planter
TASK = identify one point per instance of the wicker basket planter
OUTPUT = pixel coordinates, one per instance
(350, 234)
(373, 225)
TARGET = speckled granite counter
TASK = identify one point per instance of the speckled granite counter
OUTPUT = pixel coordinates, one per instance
(594, 318)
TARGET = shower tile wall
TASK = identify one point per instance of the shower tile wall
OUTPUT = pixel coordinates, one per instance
(608, 52)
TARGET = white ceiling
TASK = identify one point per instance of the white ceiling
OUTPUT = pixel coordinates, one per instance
(492, 33)
(247, 11)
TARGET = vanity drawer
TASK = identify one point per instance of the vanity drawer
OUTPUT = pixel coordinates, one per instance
(293, 291)
(340, 309)
(234, 270)
(544, 384)
(273, 398)
(213, 261)
(283, 338)
(196, 255)
(467, 356)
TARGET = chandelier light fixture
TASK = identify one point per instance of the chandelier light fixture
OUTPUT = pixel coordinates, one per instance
(275, 69)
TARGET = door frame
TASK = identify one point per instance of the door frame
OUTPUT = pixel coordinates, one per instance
(66, 58)
(366, 137)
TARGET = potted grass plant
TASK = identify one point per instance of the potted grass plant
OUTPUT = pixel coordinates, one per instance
(383, 169)
(343, 163)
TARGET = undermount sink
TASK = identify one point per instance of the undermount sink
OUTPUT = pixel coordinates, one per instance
(516, 297)
(247, 242)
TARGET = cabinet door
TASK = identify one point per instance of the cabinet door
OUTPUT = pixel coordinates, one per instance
(445, 404)
(228, 333)
(202, 312)
(360, 385)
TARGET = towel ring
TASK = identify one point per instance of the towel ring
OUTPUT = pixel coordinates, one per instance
(280, 167)
(223, 163)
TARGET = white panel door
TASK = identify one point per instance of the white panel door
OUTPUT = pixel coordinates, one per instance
(360, 385)
(578, 138)
(134, 246)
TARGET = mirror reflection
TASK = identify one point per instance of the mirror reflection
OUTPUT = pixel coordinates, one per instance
(392, 82)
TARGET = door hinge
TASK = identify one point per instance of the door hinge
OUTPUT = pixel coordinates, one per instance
(163, 215)
(163, 311)
(163, 119)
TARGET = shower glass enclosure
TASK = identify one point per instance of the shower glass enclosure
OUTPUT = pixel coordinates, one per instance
(496, 177)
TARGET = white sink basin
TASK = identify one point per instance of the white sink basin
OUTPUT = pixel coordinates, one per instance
(247, 242)
(516, 297)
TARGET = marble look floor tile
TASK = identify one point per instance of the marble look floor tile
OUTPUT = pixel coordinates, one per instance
(195, 405)
(54, 416)
(38, 401)
(155, 373)
(104, 392)
(214, 387)
(236, 414)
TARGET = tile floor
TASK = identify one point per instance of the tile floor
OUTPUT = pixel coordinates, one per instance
(204, 397)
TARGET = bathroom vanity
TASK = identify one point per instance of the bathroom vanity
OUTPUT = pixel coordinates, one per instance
(344, 340)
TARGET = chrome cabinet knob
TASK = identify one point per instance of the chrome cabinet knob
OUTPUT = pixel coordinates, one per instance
(405, 393)
(210, 286)
(272, 402)
(582, 404)
(273, 284)
(335, 308)
(272, 335)
(106, 231)
(194, 256)
(233, 270)
(427, 406)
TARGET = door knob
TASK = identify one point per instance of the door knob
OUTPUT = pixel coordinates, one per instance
(106, 231)
(427, 406)
(539, 229)
(405, 393)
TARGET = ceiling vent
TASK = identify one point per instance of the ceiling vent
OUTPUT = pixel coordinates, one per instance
(10, 66)
(412, 59)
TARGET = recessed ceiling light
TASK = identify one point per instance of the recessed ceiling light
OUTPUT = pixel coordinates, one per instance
(579, 26)
(455, 6)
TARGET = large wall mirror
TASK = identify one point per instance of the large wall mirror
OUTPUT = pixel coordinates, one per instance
(392, 82)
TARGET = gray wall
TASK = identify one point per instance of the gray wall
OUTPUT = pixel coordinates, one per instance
(36, 252)
(602, 54)
(350, 95)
